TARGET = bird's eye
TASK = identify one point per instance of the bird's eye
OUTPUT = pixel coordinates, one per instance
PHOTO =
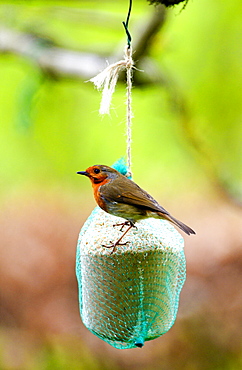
(96, 170)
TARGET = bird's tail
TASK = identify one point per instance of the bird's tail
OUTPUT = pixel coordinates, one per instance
(178, 223)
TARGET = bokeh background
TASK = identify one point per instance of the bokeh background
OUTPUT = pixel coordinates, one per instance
(187, 133)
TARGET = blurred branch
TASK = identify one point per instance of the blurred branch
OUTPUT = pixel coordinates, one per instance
(145, 34)
(203, 153)
(62, 62)
(56, 60)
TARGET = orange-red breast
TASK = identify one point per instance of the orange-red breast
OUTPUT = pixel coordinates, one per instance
(121, 197)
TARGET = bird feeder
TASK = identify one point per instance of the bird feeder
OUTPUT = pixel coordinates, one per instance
(132, 295)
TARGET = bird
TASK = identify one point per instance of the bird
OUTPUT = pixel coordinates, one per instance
(119, 196)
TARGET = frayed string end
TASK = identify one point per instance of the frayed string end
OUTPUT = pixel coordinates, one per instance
(107, 79)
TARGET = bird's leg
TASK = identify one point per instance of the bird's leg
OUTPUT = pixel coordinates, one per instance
(114, 245)
(122, 224)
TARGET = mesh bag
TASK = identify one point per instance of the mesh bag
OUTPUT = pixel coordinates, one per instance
(132, 295)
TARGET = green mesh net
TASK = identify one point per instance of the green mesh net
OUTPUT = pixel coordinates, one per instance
(132, 295)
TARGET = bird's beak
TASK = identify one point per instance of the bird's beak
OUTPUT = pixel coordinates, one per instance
(82, 173)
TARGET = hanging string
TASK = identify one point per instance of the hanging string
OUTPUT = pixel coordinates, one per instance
(107, 80)
(129, 89)
(129, 114)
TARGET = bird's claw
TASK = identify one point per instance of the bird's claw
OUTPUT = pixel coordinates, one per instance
(114, 246)
(125, 223)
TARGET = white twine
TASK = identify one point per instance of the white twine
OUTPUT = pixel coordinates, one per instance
(129, 114)
(106, 81)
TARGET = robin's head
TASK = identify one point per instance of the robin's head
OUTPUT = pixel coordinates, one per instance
(99, 173)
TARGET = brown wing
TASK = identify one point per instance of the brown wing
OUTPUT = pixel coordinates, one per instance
(128, 192)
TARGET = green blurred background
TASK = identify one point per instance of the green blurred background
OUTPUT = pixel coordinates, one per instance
(186, 152)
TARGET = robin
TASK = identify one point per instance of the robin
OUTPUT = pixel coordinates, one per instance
(122, 197)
